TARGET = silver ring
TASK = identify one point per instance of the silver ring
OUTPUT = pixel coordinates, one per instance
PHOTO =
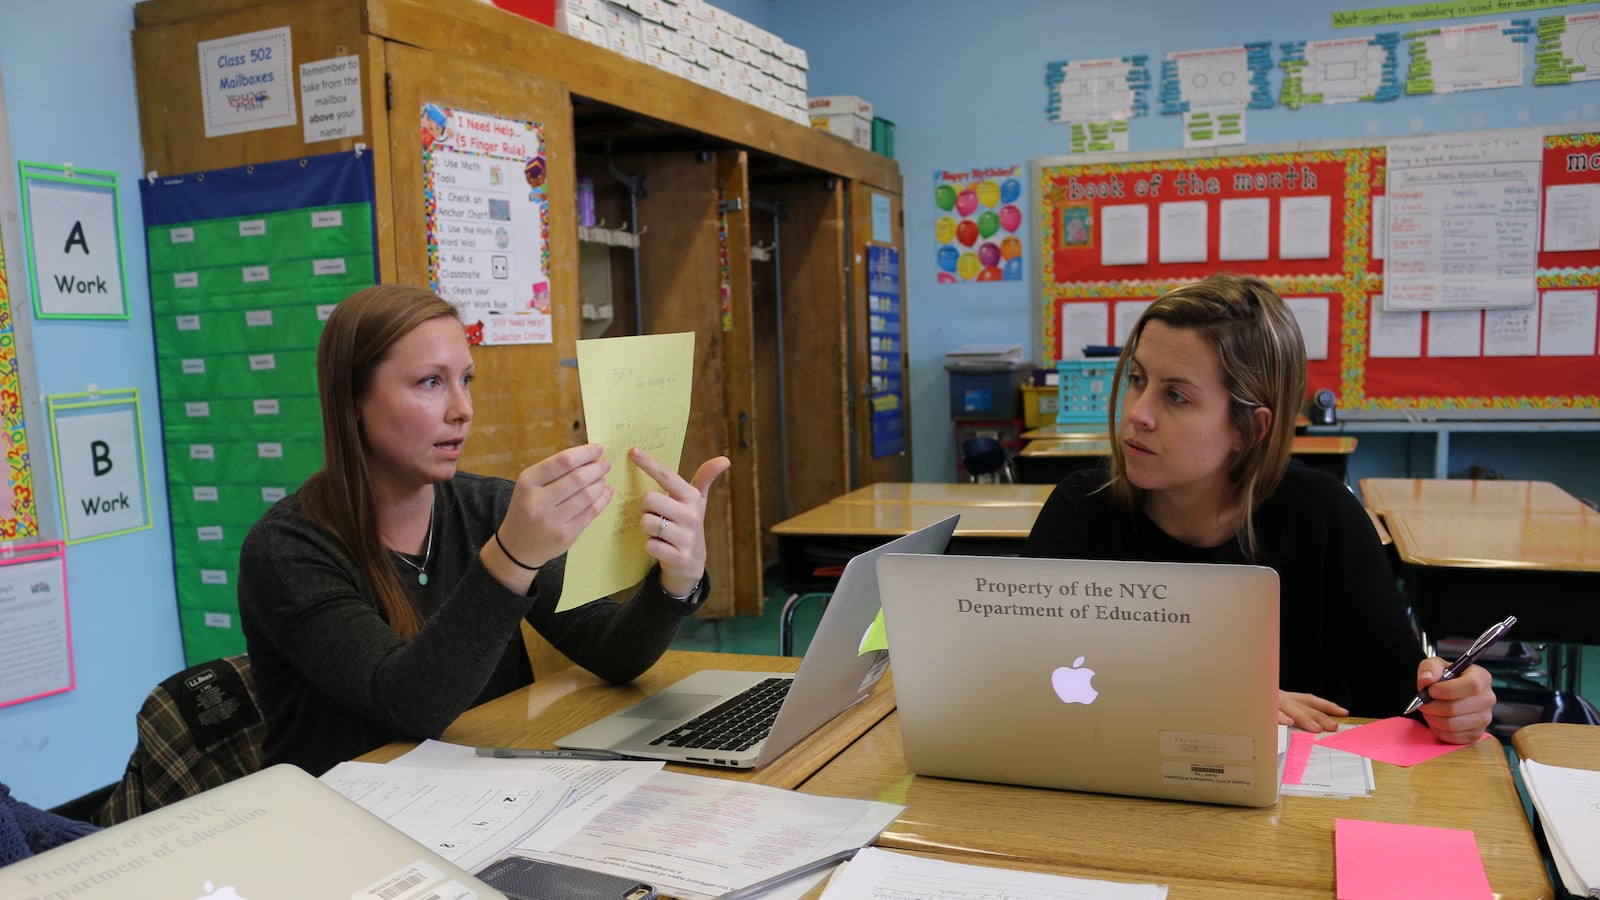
(663, 528)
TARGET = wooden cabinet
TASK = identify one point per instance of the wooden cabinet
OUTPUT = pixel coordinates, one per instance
(780, 369)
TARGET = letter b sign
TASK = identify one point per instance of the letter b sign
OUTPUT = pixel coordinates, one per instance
(100, 456)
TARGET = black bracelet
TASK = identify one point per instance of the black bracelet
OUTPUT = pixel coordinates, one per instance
(520, 563)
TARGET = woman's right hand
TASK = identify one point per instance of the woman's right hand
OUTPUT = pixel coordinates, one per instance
(1309, 712)
(553, 501)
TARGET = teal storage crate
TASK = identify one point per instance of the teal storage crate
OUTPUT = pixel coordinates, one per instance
(1085, 390)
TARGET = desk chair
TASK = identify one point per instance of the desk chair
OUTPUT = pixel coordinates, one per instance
(198, 729)
(984, 456)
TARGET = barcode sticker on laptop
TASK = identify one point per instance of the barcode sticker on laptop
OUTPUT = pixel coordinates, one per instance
(1217, 775)
(418, 881)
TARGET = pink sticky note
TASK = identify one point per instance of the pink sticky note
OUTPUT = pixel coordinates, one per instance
(1398, 741)
(1382, 860)
(1299, 753)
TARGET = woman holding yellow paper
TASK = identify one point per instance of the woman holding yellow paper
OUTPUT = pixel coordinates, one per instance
(383, 599)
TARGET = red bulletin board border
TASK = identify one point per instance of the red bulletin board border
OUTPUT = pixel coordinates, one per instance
(1351, 175)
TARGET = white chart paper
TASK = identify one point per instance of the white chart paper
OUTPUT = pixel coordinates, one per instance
(1393, 335)
(1572, 216)
(1311, 314)
(1305, 227)
(1463, 221)
(1246, 229)
(1455, 332)
(1567, 323)
(1183, 232)
(1125, 235)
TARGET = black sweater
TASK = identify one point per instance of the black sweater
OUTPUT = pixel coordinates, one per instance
(1342, 624)
(335, 681)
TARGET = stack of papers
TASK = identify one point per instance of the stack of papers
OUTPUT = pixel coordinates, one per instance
(1568, 802)
(985, 356)
(692, 837)
(1313, 770)
(879, 873)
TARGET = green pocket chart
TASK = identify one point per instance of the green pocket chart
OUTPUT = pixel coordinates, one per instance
(246, 263)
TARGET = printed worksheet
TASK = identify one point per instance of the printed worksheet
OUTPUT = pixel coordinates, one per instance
(882, 875)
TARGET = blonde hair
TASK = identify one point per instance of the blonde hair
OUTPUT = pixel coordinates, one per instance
(1263, 361)
(356, 339)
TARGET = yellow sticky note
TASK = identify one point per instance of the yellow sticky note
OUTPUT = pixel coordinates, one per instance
(636, 393)
(876, 637)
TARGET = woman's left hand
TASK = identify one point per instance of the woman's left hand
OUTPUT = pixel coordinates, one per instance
(1461, 708)
(674, 521)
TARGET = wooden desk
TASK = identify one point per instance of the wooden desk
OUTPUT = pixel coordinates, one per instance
(1556, 744)
(1202, 851)
(938, 493)
(535, 716)
(1048, 461)
(1456, 495)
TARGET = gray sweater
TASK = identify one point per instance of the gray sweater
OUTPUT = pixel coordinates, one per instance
(335, 681)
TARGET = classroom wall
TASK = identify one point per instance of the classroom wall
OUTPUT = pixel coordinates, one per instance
(68, 78)
(964, 85)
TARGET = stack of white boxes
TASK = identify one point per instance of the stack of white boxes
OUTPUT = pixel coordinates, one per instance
(845, 116)
(700, 42)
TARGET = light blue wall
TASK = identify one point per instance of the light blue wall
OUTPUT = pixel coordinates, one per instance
(964, 84)
(78, 106)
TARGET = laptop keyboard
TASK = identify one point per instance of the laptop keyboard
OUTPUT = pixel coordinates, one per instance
(736, 724)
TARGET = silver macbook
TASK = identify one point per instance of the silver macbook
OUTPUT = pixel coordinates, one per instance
(695, 720)
(278, 834)
(1141, 678)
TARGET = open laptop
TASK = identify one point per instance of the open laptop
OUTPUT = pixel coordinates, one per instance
(675, 723)
(1141, 678)
(278, 834)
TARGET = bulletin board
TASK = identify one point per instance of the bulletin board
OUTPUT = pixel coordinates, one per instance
(1089, 280)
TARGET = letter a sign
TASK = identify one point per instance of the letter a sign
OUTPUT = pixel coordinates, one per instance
(74, 243)
(100, 471)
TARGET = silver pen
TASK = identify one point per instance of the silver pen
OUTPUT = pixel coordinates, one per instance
(1466, 660)
(529, 753)
(762, 887)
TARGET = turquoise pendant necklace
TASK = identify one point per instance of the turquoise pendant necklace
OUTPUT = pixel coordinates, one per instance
(427, 553)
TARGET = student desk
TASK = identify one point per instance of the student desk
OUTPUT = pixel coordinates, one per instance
(1560, 744)
(1467, 571)
(1454, 495)
(828, 536)
(1048, 460)
(940, 493)
(535, 716)
(1200, 850)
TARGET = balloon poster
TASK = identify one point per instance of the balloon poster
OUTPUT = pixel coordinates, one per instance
(978, 224)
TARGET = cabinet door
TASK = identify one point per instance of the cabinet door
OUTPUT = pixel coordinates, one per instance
(680, 290)
(878, 317)
(526, 404)
(739, 385)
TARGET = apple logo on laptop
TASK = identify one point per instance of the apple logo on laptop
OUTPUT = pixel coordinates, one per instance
(221, 893)
(1073, 684)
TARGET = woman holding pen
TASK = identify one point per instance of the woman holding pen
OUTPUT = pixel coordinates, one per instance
(1209, 383)
(385, 597)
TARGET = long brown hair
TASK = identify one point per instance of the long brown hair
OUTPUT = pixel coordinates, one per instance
(357, 337)
(1263, 366)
